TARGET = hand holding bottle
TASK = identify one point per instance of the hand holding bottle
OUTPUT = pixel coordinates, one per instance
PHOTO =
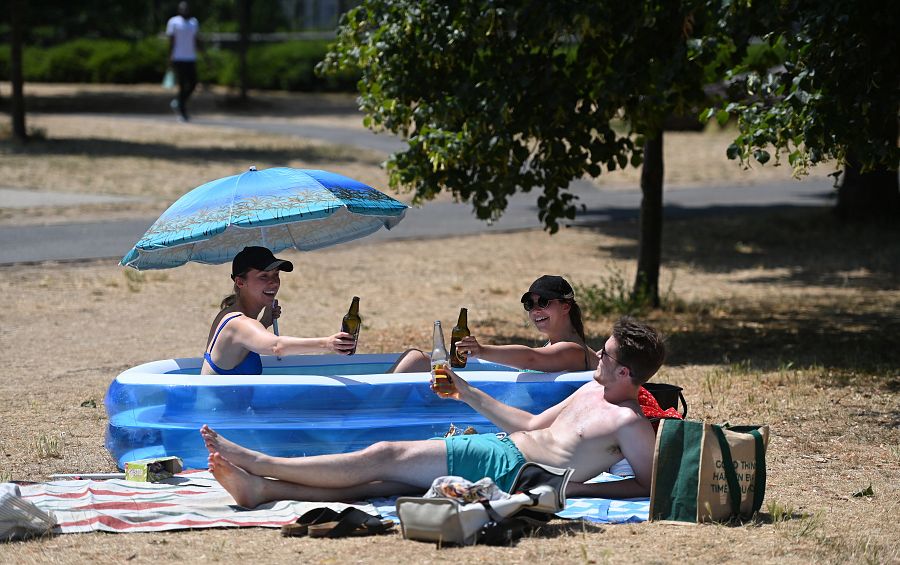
(469, 347)
(341, 343)
(445, 382)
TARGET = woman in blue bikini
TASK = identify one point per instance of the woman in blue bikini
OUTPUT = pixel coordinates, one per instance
(236, 338)
(550, 303)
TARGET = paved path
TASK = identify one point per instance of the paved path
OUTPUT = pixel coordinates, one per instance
(101, 240)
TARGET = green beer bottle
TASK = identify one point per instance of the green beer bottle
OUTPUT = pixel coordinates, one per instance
(460, 330)
(352, 322)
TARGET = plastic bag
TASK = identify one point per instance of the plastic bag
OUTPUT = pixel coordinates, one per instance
(168, 81)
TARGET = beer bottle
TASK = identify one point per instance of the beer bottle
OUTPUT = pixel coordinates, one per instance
(352, 322)
(460, 330)
(440, 379)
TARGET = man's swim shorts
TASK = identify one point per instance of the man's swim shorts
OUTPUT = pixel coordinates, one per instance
(476, 456)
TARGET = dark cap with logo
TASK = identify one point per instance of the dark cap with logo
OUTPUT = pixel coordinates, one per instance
(259, 258)
(551, 286)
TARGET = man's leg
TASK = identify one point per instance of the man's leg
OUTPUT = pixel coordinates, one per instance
(414, 463)
(186, 73)
(411, 361)
(190, 84)
(251, 490)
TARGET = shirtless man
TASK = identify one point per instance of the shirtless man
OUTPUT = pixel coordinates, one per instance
(589, 431)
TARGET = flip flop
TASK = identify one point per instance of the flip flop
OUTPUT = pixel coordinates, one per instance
(314, 516)
(351, 522)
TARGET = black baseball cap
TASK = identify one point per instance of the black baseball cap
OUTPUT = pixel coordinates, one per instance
(551, 287)
(259, 258)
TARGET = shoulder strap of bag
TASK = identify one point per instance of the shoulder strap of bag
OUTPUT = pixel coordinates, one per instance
(492, 514)
(760, 487)
(734, 488)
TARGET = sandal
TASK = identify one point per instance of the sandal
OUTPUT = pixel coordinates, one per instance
(351, 522)
(314, 516)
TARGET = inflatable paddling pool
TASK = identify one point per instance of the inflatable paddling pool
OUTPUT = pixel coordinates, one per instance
(303, 405)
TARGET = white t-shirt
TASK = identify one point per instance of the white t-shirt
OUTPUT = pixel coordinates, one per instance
(184, 31)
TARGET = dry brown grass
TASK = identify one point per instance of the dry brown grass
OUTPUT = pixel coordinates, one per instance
(811, 358)
(785, 319)
(160, 160)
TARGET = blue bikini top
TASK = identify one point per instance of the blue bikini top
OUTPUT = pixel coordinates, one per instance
(250, 365)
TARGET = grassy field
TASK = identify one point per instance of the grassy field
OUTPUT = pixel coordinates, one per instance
(780, 317)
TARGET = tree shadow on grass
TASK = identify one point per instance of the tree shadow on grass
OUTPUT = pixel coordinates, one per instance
(142, 102)
(847, 337)
(555, 529)
(830, 336)
(789, 246)
(169, 152)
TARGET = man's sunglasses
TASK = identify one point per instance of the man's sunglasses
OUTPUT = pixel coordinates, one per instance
(603, 354)
(528, 303)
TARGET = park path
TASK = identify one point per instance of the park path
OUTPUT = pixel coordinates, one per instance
(113, 239)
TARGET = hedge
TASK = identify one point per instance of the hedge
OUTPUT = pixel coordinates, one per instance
(280, 66)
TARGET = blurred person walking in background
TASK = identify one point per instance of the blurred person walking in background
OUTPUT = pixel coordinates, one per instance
(184, 42)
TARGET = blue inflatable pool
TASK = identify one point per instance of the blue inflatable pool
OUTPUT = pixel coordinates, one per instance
(303, 405)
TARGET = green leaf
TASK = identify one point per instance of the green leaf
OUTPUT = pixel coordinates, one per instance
(722, 117)
(762, 156)
(733, 151)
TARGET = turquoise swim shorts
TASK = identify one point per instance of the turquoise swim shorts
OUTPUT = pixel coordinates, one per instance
(476, 456)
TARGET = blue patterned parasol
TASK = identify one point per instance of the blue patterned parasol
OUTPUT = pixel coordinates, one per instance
(277, 208)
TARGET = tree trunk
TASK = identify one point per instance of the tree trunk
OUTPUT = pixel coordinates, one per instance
(875, 194)
(864, 197)
(244, 45)
(646, 282)
(17, 33)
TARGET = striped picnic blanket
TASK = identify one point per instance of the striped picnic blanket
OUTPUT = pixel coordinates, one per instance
(194, 499)
(189, 500)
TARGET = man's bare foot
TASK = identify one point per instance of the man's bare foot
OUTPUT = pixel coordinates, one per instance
(246, 489)
(242, 457)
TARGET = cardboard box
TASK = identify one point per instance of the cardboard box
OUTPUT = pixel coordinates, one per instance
(152, 470)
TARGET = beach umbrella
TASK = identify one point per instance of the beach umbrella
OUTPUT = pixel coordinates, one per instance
(278, 208)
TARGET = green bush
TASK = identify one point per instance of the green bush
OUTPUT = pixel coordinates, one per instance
(288, 66)
(281, 66)
(123, 62)
(61, 63)
(91, 60)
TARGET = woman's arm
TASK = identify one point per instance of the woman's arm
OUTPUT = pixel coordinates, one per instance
(251, 334)
(560, 356)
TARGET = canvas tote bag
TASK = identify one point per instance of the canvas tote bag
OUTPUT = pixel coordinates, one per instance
(704, 472)
(538, 488)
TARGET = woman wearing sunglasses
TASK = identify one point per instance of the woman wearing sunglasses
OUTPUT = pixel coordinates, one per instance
(550, 303)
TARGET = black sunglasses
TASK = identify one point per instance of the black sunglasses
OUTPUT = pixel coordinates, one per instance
(604, 353)
(528, 303)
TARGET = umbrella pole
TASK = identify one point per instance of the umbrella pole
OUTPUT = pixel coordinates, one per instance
(275, 323)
